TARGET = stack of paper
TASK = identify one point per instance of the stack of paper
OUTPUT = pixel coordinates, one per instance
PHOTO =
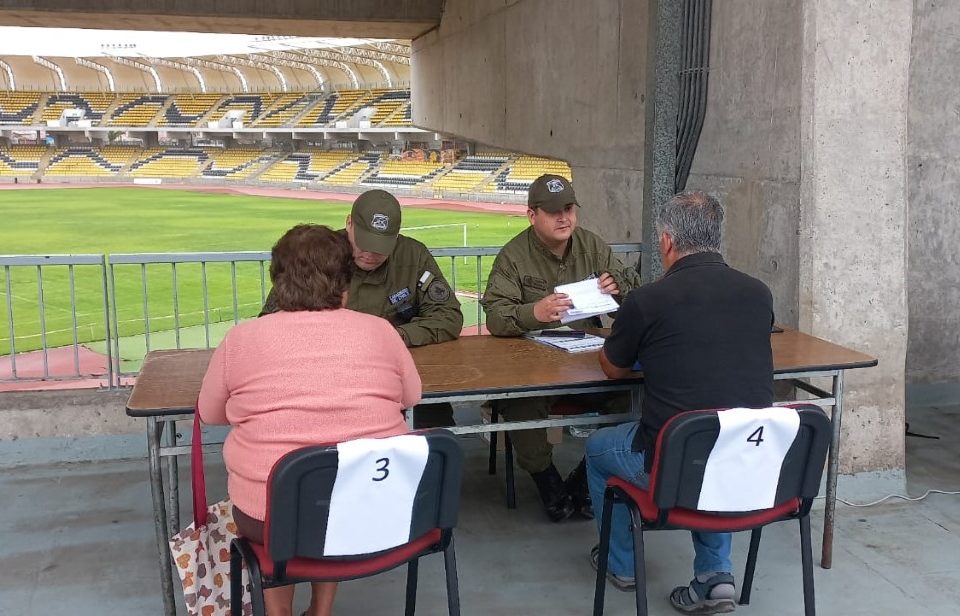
(587, 300)
(582, 344)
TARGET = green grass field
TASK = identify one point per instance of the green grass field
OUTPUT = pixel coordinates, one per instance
(140, 220)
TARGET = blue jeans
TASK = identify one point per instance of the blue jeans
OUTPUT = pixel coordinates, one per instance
(609, 453)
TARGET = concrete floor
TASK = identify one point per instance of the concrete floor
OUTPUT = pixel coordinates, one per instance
(78, 538)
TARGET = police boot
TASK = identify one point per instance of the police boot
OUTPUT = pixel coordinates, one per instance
(556, 502)
(576, 484)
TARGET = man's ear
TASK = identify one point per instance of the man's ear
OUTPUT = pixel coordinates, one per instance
(530, 214)
(349, 222)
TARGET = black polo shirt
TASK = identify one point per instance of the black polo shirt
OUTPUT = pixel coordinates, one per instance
(702, 337)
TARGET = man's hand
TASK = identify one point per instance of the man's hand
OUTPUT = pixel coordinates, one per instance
(608, 284)
(551, 307)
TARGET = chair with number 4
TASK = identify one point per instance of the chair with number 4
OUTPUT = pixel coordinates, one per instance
(725, 471)
(353, 510)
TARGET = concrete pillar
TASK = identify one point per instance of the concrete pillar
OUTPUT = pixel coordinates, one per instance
(660, 153)
(853, 197)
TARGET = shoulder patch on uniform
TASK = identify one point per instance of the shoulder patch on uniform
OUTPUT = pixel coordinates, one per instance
(438, 291)
(535, 283)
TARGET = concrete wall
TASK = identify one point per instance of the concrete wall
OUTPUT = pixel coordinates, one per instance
(560, 78)
(793, 131)
(804, 141)
(65, 414)
(853, 223)
(933, 150)
(749, 151)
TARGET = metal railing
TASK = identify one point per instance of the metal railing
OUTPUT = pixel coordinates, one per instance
(153, 301)
(63, 300)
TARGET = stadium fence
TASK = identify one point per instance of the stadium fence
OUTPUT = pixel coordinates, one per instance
(147, 301)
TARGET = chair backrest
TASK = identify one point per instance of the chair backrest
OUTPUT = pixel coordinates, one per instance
(303, 484)
(740, 460)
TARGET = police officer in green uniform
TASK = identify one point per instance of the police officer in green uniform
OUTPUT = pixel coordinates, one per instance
(520, 297)
(397, 278)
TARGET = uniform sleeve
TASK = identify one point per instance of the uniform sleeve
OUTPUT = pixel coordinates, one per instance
(270, 305)
(212, 402)
(439, 318)
(502, 301)
(627, 278)
(623, 344)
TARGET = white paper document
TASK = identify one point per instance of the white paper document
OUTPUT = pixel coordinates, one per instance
(587, 342)
(587, 300)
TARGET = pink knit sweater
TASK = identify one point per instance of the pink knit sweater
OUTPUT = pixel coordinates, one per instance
(292, 379)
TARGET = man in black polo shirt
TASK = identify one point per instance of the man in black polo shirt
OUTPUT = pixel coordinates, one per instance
(701, 335)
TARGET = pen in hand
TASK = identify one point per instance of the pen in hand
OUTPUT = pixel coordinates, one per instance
(563, 333)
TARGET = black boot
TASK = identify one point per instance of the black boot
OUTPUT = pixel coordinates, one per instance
(579, 492)
(556, 502)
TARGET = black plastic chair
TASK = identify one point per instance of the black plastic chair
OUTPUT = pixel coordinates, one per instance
(671, 500)
(299, 494)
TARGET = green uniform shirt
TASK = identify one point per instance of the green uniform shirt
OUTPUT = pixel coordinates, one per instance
(525, 272)
(409, 291)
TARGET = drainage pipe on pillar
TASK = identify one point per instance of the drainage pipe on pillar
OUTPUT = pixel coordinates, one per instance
(694, 73)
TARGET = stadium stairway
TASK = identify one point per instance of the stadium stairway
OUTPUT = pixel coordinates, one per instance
(44, 163)
(35, 119)
(72, 100)
(232, 173)
(268, 160)
(398, 117)
(17, 107)
(315, 100)
(502, 171)
(286, 107)
(320, 113)
(108, 112)
(202, 120)
(52, 158)
(161, 113)
(336, 169)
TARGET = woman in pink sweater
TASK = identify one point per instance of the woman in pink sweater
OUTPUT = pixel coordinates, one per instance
(312, 373)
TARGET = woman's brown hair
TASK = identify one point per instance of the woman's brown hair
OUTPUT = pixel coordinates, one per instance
(310, 268)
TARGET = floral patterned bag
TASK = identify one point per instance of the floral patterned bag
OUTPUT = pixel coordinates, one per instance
(201, 551)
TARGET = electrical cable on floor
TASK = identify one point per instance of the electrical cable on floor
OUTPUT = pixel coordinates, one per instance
(901, 496)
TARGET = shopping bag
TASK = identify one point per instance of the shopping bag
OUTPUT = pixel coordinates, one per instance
(201, 551)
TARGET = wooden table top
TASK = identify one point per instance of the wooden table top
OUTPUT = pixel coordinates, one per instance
(170, 380)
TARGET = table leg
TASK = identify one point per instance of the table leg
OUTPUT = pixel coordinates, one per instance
(154, 433)
(173, 483)
(833, 461)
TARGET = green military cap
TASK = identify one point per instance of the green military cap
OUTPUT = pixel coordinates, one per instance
(551, 193)
(376, 221)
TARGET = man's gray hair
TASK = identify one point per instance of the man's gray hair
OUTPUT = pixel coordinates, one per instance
(693, 219)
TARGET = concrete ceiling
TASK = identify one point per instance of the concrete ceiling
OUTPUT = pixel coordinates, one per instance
(390, 19)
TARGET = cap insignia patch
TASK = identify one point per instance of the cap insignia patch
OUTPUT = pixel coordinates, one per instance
(380, 222)
(555, 186)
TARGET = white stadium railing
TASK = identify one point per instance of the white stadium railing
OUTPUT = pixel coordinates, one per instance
(129, 304)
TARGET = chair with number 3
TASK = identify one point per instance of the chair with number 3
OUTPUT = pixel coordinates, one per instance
(356, 509)
(725, 471)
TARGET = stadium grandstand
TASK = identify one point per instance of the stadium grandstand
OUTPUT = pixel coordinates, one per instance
(278, 111)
